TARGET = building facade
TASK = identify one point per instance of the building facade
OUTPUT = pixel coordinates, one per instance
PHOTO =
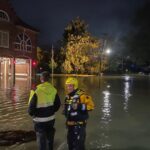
(18, 44)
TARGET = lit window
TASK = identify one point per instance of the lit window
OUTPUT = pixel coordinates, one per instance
(23, 43)
(3, 16)
(4, 39)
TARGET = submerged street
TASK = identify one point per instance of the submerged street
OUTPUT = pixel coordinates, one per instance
(120, 120)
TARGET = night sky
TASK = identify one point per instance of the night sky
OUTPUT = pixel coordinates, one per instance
(112, 17)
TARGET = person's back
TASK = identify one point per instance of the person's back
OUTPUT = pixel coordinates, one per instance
(43, 104)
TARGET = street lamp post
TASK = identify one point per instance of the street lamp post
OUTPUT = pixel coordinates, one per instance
(102, 52)
(106, 52)
(101, 57)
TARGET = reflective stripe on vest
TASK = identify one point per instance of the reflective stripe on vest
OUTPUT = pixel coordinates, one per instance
(43, 119)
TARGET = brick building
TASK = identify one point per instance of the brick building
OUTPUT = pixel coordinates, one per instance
(18, 43)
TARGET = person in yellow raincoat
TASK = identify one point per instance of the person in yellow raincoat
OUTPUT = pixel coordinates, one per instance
(76, 108)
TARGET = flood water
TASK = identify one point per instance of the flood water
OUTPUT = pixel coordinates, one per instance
(120, 121)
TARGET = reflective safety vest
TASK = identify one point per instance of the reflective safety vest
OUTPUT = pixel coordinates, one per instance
(45, 93)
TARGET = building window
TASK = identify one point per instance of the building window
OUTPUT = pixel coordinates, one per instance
(4, 39)
(3, 16)
(23, 43)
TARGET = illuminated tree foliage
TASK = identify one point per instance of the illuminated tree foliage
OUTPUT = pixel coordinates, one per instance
(80, 47)
(75, 27)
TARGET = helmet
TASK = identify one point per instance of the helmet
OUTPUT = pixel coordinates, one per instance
(72, 80)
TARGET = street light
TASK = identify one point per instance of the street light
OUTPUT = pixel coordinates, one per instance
(106, 52)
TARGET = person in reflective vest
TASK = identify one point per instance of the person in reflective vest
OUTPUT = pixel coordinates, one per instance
(76, 108)
(43, 103)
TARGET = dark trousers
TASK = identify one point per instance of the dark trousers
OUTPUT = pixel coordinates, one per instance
(45, 136)
(76, 137)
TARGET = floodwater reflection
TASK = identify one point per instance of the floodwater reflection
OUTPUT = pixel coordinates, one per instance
(106, 109)
(127, 94)
(105, 120)
(13, 102)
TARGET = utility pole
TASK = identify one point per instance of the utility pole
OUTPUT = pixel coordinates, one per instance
(52, 61)
(122, 62)
(101, 56)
